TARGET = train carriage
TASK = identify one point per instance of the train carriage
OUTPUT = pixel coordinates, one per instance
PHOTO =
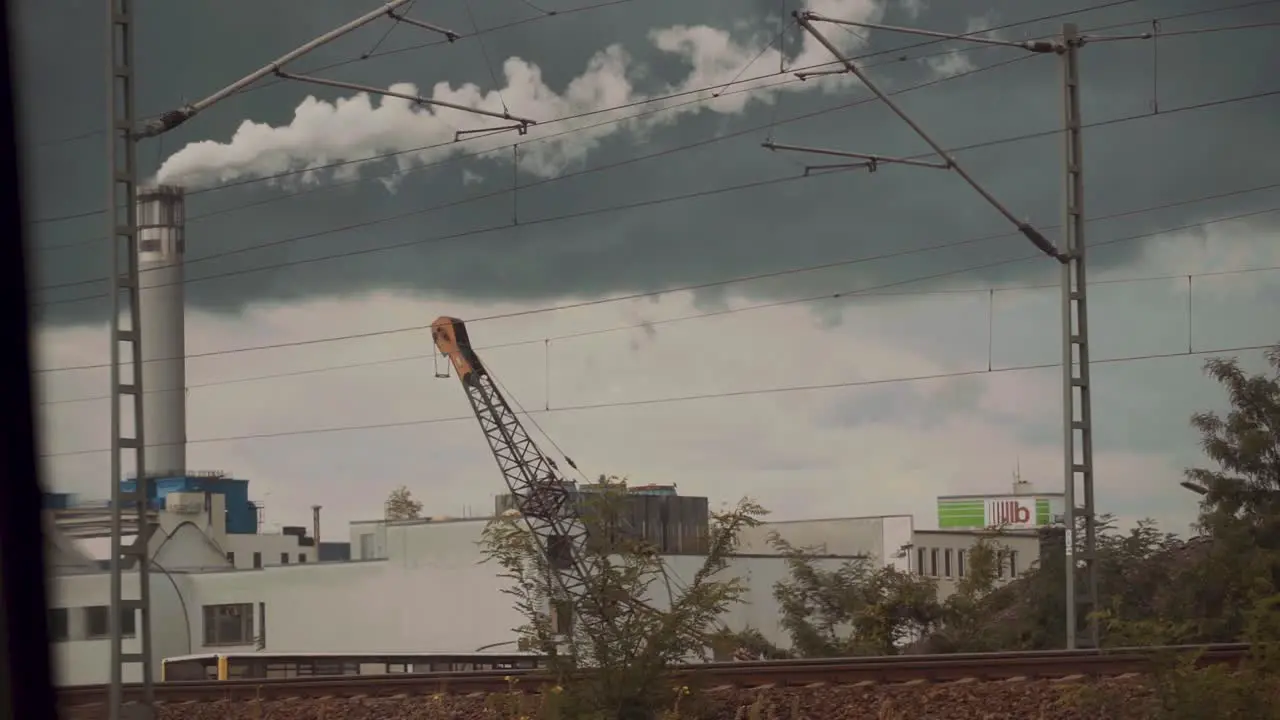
(255, 665)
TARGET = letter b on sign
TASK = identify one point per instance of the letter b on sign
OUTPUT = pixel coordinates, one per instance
(1009, 511)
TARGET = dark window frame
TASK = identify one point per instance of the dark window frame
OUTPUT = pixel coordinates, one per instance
(219, 621)
(59, 624)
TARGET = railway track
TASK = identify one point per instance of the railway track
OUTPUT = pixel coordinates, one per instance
(891, 669)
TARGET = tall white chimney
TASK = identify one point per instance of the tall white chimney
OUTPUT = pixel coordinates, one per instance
(161, 246)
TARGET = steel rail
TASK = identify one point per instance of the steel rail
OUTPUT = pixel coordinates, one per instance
(888, 669)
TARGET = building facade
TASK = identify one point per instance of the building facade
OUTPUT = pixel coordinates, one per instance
(411, 585)
(428, 592)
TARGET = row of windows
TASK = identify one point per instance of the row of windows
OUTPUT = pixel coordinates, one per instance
(230, 624)
(927, 562)
(95, 623)
(257, 558)
(223, 624)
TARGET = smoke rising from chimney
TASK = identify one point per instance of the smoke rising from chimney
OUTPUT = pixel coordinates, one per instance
(361, 126)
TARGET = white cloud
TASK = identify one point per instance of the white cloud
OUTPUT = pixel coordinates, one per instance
(358, 127)
(785, 448)
(913, 8)
(959, 59)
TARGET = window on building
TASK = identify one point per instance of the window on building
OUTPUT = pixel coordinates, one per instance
(946, 562)
(59, 625)
(228, 624)
(284, 558)
(149, 245)
(257, 559)
(920, 561)
(933, 562)
(262, 626)
(1013, 563)
(1000, 564)
(97, 621)
(231, 558)
(561, 617)
(960, 555)
(302, 557)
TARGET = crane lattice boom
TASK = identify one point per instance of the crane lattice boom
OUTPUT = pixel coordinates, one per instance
(545, 499)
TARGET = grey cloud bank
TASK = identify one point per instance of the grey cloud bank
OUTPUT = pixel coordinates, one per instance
(657, 48)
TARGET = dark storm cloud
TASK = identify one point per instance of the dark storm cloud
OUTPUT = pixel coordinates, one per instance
(188, 49)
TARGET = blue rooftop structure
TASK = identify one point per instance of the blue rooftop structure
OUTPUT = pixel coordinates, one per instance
(242, 515)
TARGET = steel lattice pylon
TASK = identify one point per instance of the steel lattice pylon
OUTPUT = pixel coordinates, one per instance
(126, 347)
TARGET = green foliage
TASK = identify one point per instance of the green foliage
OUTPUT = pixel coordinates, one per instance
(1182, 688)
(861, 608)
(1225, 585)
(641, 624)
(401, 505)
(1140, 575)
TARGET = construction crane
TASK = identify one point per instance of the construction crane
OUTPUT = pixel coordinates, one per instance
(544, 498)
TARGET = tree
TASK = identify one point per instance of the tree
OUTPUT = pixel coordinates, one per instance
(1226, 585)
(1139, 575)
(401, 505)
(963, 618)
(1240, 508)
(863, 608)
(641, 623)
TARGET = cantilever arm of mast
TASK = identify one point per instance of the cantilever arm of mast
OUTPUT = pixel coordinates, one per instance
(806, 20)
(872, 159)
(1036, 46)
(173, 118)
(405, 96)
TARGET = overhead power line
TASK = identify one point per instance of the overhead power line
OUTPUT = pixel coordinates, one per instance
(778, 390)
(791, 71)
(367, 56)
(866, 293)
(665, 107)
(597, 211)
(760, 306)
(543, 182)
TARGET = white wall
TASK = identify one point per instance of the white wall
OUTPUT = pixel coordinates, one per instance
(82, 660)
(877, 537)
(431, 593)
(445, 603)
(186, 547)
(1026, 547)
(271, 547)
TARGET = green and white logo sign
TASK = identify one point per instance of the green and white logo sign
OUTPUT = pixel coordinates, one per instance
(980, 511)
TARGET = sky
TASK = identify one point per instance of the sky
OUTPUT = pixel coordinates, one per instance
(920, 357)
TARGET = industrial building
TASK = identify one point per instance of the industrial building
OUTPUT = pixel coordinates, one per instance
(217, 583)
(414, 586)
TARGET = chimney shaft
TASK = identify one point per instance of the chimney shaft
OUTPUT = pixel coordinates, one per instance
(315, 522)
(161, 246)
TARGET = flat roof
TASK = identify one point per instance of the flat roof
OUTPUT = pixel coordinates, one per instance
(831, 519)
(1016, 532)
(981, 496)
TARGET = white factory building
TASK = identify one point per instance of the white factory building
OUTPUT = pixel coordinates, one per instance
(218, 584)
(411, 585)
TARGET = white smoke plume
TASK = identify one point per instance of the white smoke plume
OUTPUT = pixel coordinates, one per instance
(361, 126)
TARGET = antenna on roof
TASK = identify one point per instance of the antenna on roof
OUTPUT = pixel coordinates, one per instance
(1019, 485)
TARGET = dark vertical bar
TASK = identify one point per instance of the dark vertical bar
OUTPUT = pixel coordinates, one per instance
(26, 690)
